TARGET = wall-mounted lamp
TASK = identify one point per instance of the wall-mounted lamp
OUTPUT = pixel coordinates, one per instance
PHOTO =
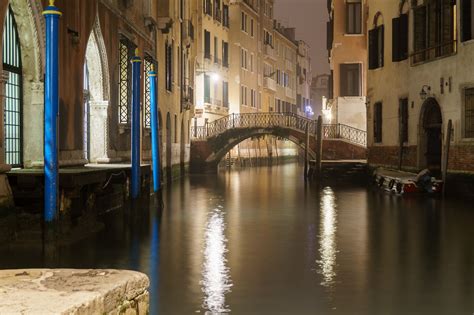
(425, 91)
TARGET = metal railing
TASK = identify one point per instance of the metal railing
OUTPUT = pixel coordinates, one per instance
(271, 120)
(432, 53)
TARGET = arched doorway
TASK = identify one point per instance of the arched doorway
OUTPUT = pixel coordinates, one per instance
(168, 148)
(430, 143)
(96, 98)
(13, 110)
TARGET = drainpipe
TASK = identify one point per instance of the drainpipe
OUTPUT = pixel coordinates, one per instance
(135, 182)
(51, 107)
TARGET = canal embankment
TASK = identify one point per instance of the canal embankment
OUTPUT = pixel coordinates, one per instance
(73, 291)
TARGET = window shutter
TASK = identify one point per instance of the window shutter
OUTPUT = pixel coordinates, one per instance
(329, 35)
(466, 20)
(419, 41)
(343, 80)
(380, 46)
(403, 37)
(396, 38)
(373, 49)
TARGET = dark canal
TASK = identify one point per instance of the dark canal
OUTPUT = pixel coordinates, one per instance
(260, 241)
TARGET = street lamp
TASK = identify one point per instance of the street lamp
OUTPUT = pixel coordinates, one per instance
(425, 91)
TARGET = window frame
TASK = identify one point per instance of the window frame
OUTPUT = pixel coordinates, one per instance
(354, 7)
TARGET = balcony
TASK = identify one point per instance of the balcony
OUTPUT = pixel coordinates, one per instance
(289, 65)
(217, 61)
(269, 52)
(218, 15)
(289, 92)
(269, 84)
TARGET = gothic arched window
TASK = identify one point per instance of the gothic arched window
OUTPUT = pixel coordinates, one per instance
(13, 92)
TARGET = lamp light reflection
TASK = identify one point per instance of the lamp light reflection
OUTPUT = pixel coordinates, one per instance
(216, 282)
(327, 238)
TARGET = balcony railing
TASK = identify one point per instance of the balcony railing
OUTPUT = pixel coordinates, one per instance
(217, 61)
(269, 51)
(433, 53)
(218, 15)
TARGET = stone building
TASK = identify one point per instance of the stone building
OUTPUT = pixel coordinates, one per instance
(420, 77)
(212, 60)
(347, 46)
(97, 38)
(320, 92)
(176, 51)
(304, 77)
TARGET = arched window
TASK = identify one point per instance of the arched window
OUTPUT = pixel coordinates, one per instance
(13, 92)
(376, 43)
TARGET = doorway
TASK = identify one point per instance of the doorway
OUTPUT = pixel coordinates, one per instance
(431, 136)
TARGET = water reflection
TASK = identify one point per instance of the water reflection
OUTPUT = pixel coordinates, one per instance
(327, 238)
(216, 282)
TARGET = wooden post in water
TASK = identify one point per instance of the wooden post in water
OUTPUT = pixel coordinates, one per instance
(444, 169)
(306, 151)
(319, 146)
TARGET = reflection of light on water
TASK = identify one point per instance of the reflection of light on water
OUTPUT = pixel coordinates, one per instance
(216, 282)
(327, 237)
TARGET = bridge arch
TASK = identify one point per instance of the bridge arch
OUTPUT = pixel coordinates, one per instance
(228, 142)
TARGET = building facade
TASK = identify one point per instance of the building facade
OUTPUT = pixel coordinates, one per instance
(320, 92)
(347, 47)
(304, 78)
(423, 49)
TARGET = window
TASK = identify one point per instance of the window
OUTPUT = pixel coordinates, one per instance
(469, 113)
(378, 122)
(467, 25)
(243, 95)
(243, 25)
(169, 66)
(207, 7)
(251, 62)
(148, 65)
(350, 83)
(225, 94)
(376, 47)
(216, 47)
(253, 98)
(403, 120)
(12, 112)
(400, 38)
(225, 15)
(207, 44)
(353, 17)
(217, 10)
(243, 58)
(434, 30)
(251, 27)
(125, 79)
(267, 38)
(225, 54)
(207, 89)
(175, 128)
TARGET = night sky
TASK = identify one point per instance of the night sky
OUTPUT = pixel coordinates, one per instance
(309, 17)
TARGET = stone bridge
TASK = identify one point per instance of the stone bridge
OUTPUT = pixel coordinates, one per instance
(210, 143)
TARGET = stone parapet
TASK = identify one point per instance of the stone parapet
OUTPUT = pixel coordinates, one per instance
(71, 291)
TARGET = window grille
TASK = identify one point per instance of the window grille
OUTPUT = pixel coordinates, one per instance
(148, 66)
(469, 113)
(13, 92)
(125, 77)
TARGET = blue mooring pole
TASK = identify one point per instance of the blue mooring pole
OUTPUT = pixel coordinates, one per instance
(51, 106)
(136, 65)
(155, 149)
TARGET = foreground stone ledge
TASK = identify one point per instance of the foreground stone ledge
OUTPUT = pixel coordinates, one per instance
(72, 291)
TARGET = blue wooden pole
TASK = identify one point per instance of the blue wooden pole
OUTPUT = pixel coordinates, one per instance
(155, 150)
(135, 183)
(51, 106)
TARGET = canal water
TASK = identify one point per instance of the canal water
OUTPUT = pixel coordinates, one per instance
(261, 241)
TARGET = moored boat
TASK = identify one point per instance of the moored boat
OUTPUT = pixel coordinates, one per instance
(401, 183)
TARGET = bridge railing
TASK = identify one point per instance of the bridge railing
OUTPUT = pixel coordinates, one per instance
(286, 120)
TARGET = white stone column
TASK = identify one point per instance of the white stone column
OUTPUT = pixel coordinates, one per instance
(99, 142)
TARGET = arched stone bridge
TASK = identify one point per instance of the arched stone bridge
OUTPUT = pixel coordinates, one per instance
(210, 143)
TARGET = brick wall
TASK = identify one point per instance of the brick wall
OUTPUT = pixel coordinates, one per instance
(342, 150)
